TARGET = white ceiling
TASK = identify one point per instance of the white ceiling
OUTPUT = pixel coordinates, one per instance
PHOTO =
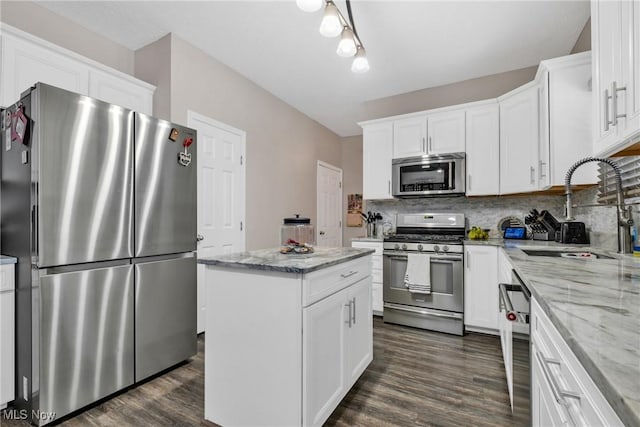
(411, 45)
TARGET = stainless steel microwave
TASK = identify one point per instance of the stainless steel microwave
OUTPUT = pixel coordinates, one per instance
(435, 175)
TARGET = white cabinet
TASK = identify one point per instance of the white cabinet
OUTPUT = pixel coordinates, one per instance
(337, 348)
(120, 91)
(435, 133)
(26, 60)
(519, 139)
(298, 345)
(446, 132)
(25, 63)
(562, 392)
(7, 334)
(483, 150)
(377, 302)
(377, 146)
(566, 123)
(481, 288)
(616, 66)
(410, 137)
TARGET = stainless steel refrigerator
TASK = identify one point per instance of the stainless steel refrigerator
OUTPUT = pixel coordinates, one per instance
(99, 205)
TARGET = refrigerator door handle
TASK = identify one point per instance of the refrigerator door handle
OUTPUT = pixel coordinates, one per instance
(34, 229)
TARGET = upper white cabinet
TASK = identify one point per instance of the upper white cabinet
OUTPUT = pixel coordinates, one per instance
(377, 146)
(446, 132)
(26, 60)
(410, 137)
(483, 150)
(519, 139)
(566, 124)
(435, 133)
(615, 40)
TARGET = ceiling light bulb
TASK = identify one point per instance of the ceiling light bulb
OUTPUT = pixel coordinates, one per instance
(309, 5)
(360, 62)
(347, 46)
(330, 25)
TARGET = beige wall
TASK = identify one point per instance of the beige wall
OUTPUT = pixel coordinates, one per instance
(283, 145)
(32, 18)
(583, 43)
(451, 94)
(153, 65)
(352, 182)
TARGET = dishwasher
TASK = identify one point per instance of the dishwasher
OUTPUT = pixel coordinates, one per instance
(514, 339)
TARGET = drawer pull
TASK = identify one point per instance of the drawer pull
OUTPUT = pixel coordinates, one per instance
(558, 393)
(349, 274)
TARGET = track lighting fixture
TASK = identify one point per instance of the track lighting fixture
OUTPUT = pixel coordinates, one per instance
(334, 24)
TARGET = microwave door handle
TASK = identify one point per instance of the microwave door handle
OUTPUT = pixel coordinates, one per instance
(452, 185)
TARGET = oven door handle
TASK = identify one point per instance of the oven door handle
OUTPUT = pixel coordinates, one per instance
(404, 256)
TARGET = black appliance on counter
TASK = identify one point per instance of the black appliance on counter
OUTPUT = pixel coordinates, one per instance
(572, 232)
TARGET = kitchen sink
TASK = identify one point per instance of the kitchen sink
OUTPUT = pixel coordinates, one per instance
(576, 254)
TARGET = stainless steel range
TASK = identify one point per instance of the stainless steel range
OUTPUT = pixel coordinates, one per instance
(423, 271)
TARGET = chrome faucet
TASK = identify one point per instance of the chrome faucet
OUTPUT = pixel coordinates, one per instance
(625, 220)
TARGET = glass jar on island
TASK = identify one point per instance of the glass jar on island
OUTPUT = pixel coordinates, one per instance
(297, 235)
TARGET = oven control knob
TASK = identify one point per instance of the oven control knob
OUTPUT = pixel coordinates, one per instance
(404, 247)
(436, 248)
(445, 248)
(396, 247)
(419, 247)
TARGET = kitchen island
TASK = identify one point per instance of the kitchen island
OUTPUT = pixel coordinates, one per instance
(287, 336)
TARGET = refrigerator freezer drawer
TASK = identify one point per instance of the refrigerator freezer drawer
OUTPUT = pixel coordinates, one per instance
(84, 150)
(166, 310)
(165, 190)
(86, 342)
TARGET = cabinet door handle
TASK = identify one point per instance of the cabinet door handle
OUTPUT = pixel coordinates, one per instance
(348, 322)
(607, 122)
(430, 145)
(469, 182)
(614, 103)
(389, 187)
(468, 260)
(424, 145)
(354, 310)
(541, 166)
(349, 274)
(533, 174)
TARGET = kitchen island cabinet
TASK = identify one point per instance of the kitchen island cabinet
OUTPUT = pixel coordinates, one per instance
(287, 335)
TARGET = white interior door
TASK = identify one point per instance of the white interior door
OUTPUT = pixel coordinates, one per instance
(329, 218)
(221, 194)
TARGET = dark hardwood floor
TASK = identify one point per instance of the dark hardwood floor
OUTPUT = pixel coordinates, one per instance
(417, 378)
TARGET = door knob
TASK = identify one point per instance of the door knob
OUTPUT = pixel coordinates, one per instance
(322, 233)
(199, 237)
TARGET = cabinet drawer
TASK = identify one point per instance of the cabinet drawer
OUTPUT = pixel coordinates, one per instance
(588, 407)
(322, 283)
(7, 278)
(369, 245)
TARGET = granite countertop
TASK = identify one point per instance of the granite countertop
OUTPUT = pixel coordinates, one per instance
(595, 305)
(272, 260)
(7, 260)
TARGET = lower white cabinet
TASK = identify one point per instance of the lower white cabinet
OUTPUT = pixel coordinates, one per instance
(285, 348)
(377, 302)
(337, 348)
(481, 288)
(7, 334)
(562, 392)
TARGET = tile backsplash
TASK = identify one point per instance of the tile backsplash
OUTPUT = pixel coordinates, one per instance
(486, 212)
